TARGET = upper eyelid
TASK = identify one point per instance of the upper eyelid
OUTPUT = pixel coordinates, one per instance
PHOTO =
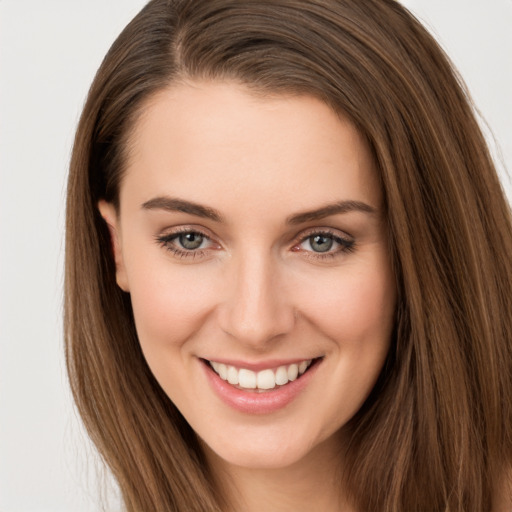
(336, 233)
(189, 228)
(175, 234)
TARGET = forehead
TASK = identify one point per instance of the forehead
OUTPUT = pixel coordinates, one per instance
(208, 140)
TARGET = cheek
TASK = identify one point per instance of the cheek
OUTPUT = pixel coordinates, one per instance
(354, 308)
(169, 302)
(356, 313)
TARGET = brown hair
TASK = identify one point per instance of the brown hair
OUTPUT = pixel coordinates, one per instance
(435, 434)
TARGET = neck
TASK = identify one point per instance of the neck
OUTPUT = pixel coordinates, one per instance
(312, 483)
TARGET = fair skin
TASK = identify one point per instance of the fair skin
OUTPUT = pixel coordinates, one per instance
(250, 235)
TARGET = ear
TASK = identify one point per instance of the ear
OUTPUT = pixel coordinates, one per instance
(109, 214)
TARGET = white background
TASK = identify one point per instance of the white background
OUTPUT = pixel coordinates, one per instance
(49, 51)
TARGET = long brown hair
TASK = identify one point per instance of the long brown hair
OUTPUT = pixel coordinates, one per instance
(435, 434)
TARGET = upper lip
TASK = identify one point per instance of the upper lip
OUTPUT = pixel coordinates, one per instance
(259, 365)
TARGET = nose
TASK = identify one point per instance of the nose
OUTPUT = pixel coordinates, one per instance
(257, 308)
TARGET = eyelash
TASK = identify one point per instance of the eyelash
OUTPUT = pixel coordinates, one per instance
(166, 241)
(346, 245)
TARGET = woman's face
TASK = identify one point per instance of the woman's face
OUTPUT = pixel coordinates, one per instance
(251, 239)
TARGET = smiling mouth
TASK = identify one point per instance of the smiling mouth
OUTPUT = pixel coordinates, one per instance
(264, 380)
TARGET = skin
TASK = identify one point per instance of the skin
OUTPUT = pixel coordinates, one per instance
(257, 289)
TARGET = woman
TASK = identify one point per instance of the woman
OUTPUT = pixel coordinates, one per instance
(348, 347)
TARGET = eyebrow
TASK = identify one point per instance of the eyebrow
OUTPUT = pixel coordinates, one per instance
(172, 204)
(331, 209)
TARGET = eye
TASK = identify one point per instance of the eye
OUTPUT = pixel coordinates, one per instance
(190, 241)
(187, 243)
(320, 243)
(324, 244)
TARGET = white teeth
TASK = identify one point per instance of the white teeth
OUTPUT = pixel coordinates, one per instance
(247, 379)
(223, 371)
(232, 375)
(303, 367)
(308, 364)
(265, 379)
(282, 376)
(293, 371)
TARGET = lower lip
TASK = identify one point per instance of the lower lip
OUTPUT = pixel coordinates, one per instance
(254, 402)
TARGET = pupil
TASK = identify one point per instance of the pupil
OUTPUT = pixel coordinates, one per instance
(191, 241)
(320, 243)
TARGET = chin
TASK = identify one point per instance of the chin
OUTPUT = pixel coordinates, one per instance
(262, 459)
(266, 450)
